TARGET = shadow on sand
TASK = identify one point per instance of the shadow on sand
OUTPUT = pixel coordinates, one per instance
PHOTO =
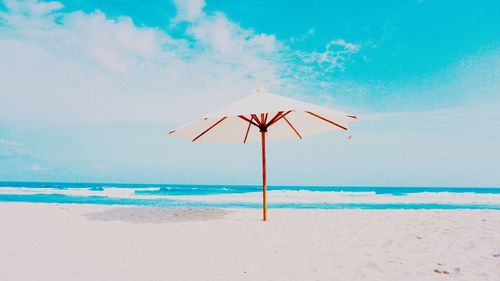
(157, 215)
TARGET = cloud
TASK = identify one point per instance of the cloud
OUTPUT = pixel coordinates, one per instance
(310, 32)
(35, 168)
(218, 34)
(9, 149)
(336, 54)
(14, 150)
(9, 143)
(67, 68)
(188, 10)
(32, 7)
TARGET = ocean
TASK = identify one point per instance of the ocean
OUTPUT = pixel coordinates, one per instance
(241, 196)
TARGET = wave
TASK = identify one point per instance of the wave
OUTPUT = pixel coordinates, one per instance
(105, 200)
(242, 196)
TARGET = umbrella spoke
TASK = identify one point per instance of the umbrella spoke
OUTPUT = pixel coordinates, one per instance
(248, 130)
(329, 121)
(293, 128)
(248, 120)
(275, 116)
(278, 118)
(257, 120)
(254, 118)
(210, 128)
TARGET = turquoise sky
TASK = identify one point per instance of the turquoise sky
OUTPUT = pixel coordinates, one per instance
(89, 88)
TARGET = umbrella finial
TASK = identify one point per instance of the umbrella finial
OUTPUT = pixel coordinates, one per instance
(259, 90)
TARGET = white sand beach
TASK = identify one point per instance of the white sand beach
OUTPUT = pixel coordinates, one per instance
(91, 242)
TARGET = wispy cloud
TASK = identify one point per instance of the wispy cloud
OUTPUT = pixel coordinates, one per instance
(15, 150)
(336, 54)
(310, 32)
(188, 10)
(9, 143)
(86, 67)
(35, 168)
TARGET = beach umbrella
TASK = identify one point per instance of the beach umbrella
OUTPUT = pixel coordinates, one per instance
(263, 116)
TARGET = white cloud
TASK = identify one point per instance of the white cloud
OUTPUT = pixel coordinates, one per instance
(33, 7)
(228, 38)
(337, 53)
(11, 149)
(4, 142)
(35, 168)
(85, 67)
(310, 32)
(188, 10)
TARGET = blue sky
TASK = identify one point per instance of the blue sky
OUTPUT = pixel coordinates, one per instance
(89, 88)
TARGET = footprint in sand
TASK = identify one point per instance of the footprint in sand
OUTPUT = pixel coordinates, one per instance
(443, 269)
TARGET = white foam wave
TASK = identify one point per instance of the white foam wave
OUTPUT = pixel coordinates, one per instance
(278, 196)
(304, 196)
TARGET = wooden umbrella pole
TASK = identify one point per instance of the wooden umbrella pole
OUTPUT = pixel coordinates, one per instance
(264, 183)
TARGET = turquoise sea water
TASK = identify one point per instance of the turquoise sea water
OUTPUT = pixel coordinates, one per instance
(164, 195)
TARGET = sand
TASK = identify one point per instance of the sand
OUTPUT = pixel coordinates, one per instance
(91, 242)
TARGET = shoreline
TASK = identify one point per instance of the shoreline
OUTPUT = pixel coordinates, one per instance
(303, 199)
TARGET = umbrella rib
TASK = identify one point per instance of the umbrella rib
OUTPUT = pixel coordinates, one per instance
(277, 119)
(256, 119)
(329, 121)
(293, 128)
(248, 130)
(275, 116)
(248, 120)
(210, 128)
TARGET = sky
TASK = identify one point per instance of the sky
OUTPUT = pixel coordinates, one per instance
(88, 89)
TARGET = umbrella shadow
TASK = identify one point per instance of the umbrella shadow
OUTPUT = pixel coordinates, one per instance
(157, 215)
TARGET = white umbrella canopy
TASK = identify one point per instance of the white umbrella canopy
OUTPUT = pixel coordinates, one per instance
(262, 116)
(292, 119)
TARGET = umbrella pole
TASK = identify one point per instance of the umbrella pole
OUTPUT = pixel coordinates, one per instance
(264, 182)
